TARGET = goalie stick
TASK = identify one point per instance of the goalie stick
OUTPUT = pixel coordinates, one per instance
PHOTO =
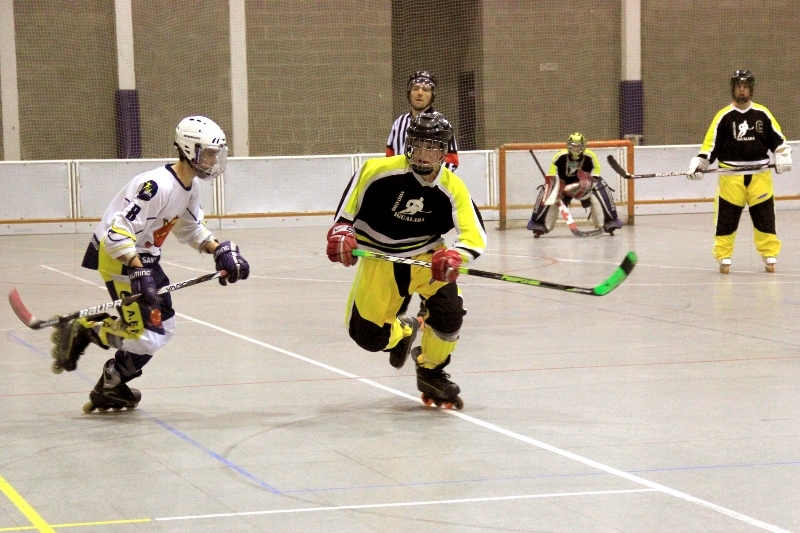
(32, 322)
(564, 210)
(612, 282)
(628, 176)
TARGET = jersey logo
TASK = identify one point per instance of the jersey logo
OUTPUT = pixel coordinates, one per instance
(160, 235)
(740, 131)
(413, 207)
(148, 191)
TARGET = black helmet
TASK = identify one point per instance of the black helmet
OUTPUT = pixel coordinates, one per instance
(429, 130)
(743, 76)
(422, 76)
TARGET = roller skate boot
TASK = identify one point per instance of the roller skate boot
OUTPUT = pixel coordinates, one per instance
(769, 264)
(725, 265)
(399, 354)
(435, 385)
(111, 393)
(537, 228)
(611, 226)
(70, 340)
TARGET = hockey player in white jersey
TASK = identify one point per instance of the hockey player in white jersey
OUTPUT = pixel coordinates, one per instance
(126, 250)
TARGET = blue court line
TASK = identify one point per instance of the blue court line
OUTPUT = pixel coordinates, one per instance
(183, 436)
(247, 475)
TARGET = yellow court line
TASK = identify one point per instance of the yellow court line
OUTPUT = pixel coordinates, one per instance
(39, 523)
(82, 524)
(30, 513)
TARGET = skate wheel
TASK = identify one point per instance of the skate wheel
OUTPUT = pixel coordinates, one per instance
(427, 400)
(457, 404)
(88, 407)
(55, 368)
(56, 336)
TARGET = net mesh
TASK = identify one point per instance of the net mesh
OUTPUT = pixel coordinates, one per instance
(329, 77)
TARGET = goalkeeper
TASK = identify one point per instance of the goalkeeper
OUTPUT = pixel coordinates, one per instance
(741, 134)
(403, 205)
(574, 173)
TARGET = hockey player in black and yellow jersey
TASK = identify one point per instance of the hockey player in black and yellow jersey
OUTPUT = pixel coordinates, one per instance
(403, 205)
(742, 134)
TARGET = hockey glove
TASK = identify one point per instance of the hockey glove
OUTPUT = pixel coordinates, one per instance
(696, 167)
(341, 243)
(142, 282)
(783, 159)
(227, 258)
(445, 265)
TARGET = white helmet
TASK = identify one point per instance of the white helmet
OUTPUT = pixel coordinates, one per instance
(203, 144)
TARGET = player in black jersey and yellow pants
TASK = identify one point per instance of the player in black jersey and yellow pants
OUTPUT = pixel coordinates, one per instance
(403, 205)
(742, 134)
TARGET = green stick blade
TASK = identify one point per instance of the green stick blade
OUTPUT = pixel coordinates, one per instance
(618, 276)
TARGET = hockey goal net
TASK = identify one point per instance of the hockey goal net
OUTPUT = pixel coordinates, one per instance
(519, 179)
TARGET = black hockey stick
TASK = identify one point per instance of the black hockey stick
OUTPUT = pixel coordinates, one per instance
(617, 277)
(628, 176)
(34, 323)
(564, 210)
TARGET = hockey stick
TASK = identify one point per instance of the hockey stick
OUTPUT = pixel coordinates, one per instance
(564, 210)
(614, 280)
(34, 323)
(628, 176)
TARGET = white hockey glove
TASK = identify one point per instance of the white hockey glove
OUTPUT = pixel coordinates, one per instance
(783, 159)
(696, 167)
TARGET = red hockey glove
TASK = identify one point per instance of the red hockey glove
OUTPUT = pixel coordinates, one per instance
(341, 243)
(445, 265)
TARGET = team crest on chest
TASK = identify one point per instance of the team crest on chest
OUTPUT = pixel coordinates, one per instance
(412, 207)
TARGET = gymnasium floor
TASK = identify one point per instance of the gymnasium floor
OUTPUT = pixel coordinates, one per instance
(670, 404)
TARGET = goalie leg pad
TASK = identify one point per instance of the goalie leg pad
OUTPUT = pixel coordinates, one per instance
(540, 210)
(605, 195)
(550, 218)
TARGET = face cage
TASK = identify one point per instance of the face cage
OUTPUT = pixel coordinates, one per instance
(203, 155)
(575, 149)
(418, 149)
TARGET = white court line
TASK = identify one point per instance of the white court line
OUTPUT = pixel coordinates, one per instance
(517, 436)
(405, 504)
(492, 427)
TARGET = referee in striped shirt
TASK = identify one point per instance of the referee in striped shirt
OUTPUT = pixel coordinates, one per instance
(420, 91)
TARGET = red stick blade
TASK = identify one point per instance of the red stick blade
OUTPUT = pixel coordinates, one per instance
(19, 308)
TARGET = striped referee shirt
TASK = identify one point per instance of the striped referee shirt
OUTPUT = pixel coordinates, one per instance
(396, 144)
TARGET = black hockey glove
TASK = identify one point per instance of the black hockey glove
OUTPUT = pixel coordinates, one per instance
(227, 258)
(142, 282)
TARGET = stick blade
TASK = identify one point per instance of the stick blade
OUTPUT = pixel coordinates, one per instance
(617, 167)
(21, 311)
(619, 275)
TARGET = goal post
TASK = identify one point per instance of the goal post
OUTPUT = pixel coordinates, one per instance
(518, 178)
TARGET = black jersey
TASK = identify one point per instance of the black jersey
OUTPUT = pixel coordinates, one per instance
(566, 168)
(738, 137)
(396, 212)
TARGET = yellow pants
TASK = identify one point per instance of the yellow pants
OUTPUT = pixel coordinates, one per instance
(733, 193)
(132, 332)
(382, 289)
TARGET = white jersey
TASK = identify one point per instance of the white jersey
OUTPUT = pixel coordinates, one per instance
(147, 209)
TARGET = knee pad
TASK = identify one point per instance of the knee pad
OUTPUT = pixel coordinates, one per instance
(763, 216)
(368, 335)
(728, 216)
(445, 312)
